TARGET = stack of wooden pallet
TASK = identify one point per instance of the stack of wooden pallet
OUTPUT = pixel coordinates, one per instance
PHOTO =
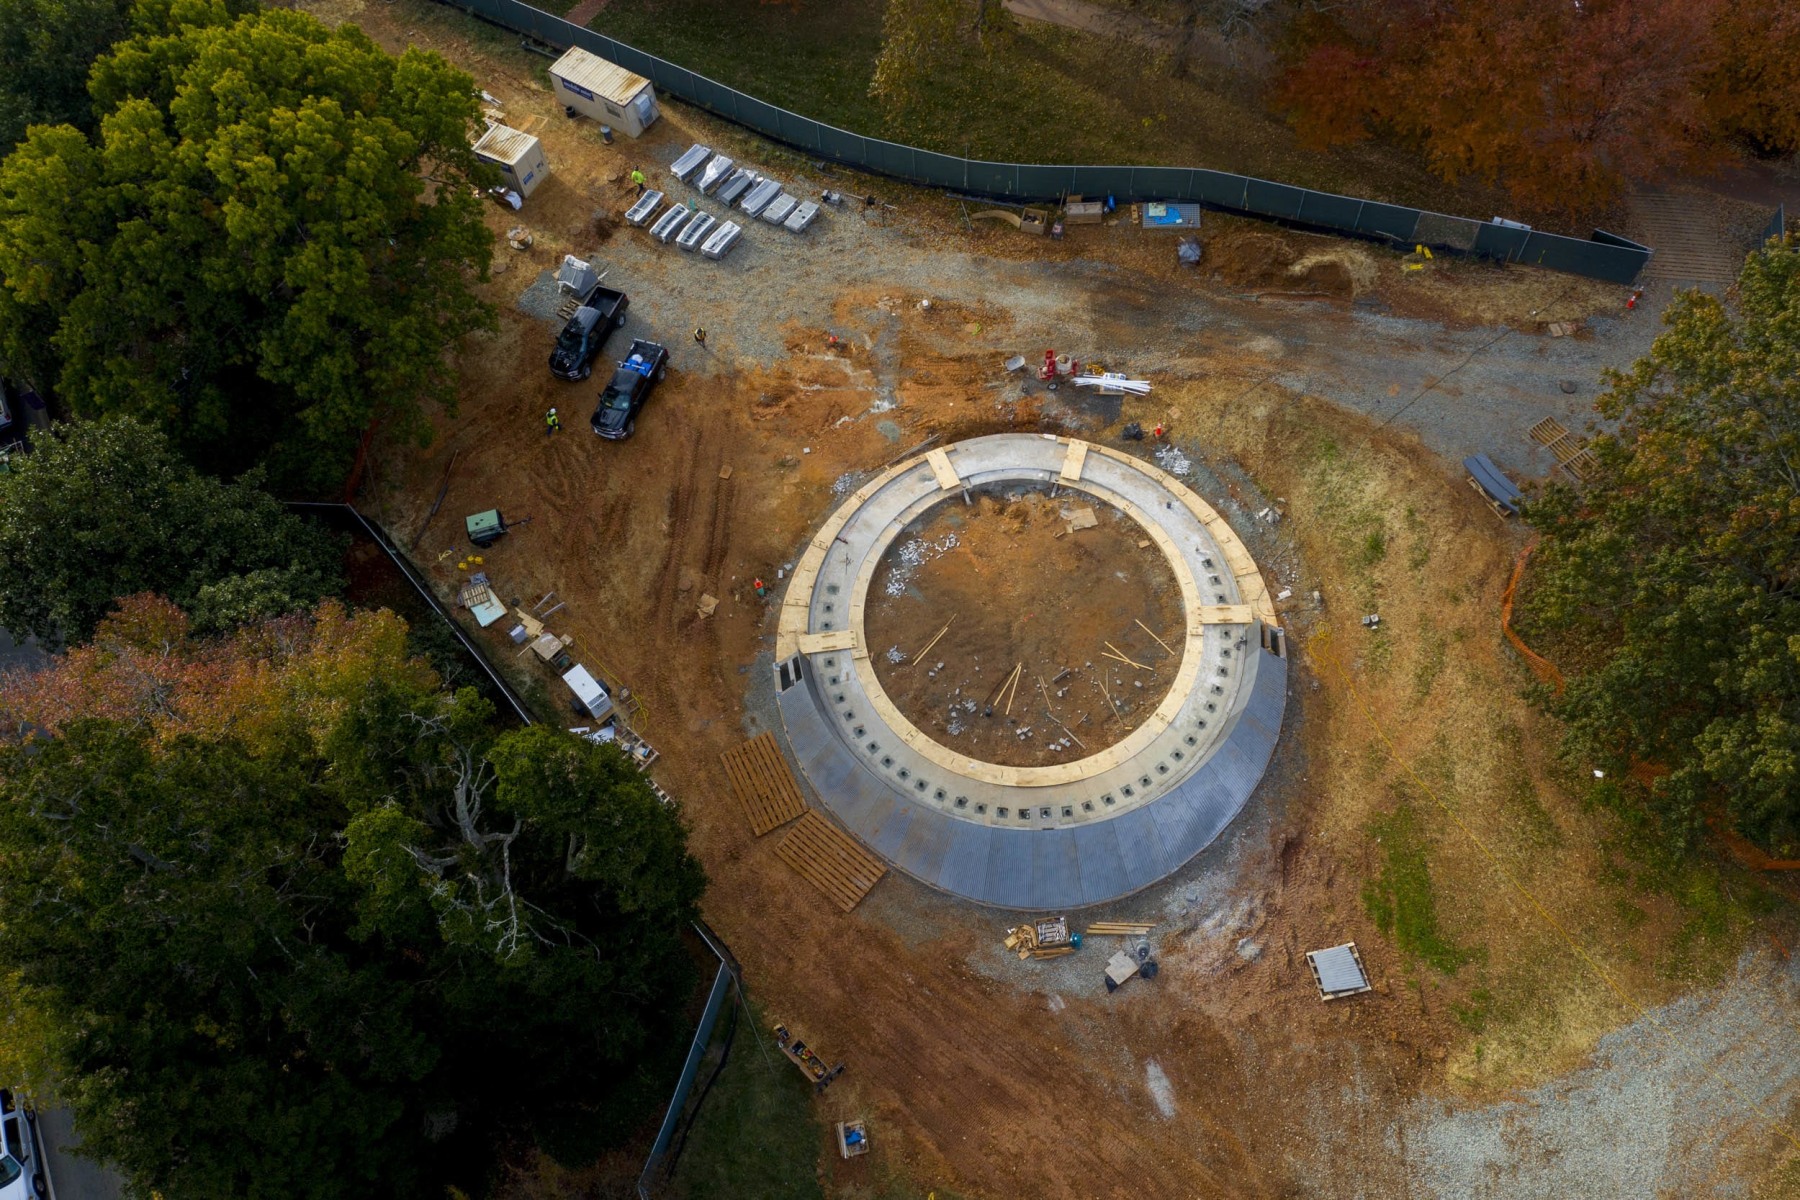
(1042, 939)
(1130, 929)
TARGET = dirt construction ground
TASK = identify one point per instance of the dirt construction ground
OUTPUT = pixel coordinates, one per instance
(1540, 1025)
(1017, 592)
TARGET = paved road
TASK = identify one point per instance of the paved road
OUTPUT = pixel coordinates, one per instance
(73, 1177)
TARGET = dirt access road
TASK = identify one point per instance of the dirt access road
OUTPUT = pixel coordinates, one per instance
(979, 1074)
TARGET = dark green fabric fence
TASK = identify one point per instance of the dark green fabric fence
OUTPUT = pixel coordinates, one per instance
(1602, 256)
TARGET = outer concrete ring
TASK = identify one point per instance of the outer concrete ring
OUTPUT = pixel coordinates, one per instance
(1043, 837)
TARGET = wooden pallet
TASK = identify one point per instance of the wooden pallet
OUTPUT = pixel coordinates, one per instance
(1571, 453)
(830, 860)
(767, 790)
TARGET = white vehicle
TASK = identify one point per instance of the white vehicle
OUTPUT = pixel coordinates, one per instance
(21, 1172)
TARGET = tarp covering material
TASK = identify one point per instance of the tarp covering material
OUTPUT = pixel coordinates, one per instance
(1338, 970)
(1493, 481)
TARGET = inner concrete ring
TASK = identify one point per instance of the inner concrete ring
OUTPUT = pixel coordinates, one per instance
(1057, 836)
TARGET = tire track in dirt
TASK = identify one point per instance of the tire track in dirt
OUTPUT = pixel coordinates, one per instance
(695, 489)
(719, 535)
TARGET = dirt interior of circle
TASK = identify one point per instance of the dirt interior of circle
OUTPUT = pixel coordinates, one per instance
(988, 625)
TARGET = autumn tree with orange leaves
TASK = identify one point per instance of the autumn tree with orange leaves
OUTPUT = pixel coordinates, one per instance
(1562, 102)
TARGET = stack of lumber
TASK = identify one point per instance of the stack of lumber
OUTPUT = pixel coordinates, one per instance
(1045, 939)
(1119, 929)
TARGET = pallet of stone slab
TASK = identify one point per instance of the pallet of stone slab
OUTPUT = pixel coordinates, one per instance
(765, 787)
(760, 196)
(715, 173)
(684, 167)
(722, 240)
(696, 230)
(670, 223)
(639, 213)
(803, 215)
(1339, 971)
(739, 182)
(830, 859)
(779, 208)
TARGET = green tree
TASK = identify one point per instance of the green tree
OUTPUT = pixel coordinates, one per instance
(270, 241)
(346, 959)
(210, 1039)
(46, 48)
(1670, 580)
(106, 509)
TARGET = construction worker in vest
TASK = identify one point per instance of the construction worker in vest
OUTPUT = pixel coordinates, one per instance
(637, 177)
(552, 423)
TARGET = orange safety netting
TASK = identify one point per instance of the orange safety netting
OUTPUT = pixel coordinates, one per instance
(1542, 667)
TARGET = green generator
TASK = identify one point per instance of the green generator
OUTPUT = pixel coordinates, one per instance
(486, 528)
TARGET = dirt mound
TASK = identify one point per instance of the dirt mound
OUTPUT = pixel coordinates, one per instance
(1266, 261)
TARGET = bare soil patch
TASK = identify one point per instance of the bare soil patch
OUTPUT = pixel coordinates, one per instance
(1029, 592)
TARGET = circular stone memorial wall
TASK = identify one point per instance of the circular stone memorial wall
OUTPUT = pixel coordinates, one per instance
(1069, 833)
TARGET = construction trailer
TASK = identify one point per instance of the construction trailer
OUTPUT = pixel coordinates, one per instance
(519, 155)
(605, 91)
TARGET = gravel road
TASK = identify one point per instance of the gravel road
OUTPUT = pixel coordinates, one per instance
(1665, 1107)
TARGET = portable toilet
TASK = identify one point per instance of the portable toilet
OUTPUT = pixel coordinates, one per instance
(519, 156)
(604, 91)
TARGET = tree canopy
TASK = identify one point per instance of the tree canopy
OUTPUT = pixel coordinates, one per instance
(1669, 582)
(269, 240)
(46, 48)
(105, 509)
(290, 921)
(1562, 103)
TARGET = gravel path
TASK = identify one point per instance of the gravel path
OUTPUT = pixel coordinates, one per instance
(1461, 390)
(1655, 1114)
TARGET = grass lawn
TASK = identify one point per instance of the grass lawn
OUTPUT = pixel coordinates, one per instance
(1033, 93)
(758, 1133)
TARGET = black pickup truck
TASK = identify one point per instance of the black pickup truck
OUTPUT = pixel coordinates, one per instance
(616, 416)
(582, 338)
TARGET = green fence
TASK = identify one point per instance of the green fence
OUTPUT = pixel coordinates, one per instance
(1602, 256)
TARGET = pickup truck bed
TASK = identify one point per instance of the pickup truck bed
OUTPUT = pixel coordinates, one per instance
(585, 334)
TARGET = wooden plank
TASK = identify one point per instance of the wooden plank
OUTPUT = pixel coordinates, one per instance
(947, 477)
(831, 860)
(1580, 465)
(766, 789)
(1224, 614)
(1073, 461)
(1547, 431)
(830, 639)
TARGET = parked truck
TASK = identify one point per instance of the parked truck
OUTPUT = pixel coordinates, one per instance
(636, 377)
(582, 339)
